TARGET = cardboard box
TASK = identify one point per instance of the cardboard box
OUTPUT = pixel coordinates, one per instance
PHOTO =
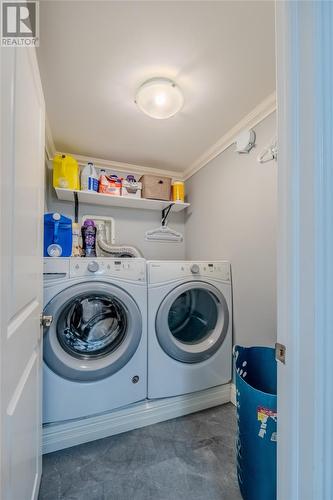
(155, 187)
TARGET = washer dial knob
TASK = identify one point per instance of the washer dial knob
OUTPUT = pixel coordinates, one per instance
(93, 266)
(195, 269)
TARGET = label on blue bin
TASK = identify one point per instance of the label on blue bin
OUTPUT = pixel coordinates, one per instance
(263, 414)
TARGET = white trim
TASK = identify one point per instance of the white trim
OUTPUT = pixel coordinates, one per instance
(264, 109)
(233, 393)
(71, 433)
(258, 114)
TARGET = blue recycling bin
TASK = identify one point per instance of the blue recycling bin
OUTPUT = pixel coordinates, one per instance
(256, 380)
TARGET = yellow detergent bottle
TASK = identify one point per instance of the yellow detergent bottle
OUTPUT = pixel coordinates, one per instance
(66, 172)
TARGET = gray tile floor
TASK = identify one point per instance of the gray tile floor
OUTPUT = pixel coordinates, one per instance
(188, 458)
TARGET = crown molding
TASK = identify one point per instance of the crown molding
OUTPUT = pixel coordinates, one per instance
(264, 109)
(259, 113)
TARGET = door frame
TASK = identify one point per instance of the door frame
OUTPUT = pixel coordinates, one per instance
(305, 248)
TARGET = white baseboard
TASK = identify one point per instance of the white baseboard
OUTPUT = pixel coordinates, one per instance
(233, 393)
(71, 433)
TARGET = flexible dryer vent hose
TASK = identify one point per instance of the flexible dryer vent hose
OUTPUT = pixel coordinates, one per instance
(120, 251)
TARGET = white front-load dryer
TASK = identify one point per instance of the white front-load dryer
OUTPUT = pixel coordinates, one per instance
(95, 350)
(189, 326)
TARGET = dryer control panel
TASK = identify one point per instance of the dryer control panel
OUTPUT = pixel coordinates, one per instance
(164, 271)
(131, 269)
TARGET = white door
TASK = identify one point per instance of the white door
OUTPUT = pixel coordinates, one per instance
(21, 198)
(305, 270)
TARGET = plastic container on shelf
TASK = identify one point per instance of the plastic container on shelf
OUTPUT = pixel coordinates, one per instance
(109, 184)
(131, 188)
(102, 180)
(66, 172)
(89, 178)
(178, 191)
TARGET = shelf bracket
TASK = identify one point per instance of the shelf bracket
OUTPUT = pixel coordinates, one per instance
(76, 207)
(165, 214)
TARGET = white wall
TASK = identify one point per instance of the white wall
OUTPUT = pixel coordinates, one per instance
(233, 216)
(131, 225)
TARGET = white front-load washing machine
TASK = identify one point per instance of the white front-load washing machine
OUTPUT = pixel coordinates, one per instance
(95, 350)
(189, 326)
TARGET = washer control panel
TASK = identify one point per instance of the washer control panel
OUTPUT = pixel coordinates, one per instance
(162, 271)
(195, 269)
(131, 269)
(93, 266)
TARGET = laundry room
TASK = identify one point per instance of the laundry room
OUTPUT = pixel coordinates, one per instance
(159, 241)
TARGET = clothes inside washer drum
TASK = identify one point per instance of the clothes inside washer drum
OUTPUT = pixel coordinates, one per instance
(92, 326)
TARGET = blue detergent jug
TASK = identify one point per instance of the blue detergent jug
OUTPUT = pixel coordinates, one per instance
(57, 235)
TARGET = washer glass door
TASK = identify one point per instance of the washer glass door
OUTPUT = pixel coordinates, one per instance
(92, 325)
(192, 322)
(96, 329)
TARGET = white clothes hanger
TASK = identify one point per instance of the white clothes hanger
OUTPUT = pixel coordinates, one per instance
(269, 153)
(164, 233)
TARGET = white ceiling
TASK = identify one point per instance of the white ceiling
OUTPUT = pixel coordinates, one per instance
(94, 55)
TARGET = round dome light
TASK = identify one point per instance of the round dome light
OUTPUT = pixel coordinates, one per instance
(159, 98)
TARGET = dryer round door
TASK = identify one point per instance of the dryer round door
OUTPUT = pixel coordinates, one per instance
(96, 329)
(192, 322)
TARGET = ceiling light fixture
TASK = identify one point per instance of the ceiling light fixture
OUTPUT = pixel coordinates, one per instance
(159, 98)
